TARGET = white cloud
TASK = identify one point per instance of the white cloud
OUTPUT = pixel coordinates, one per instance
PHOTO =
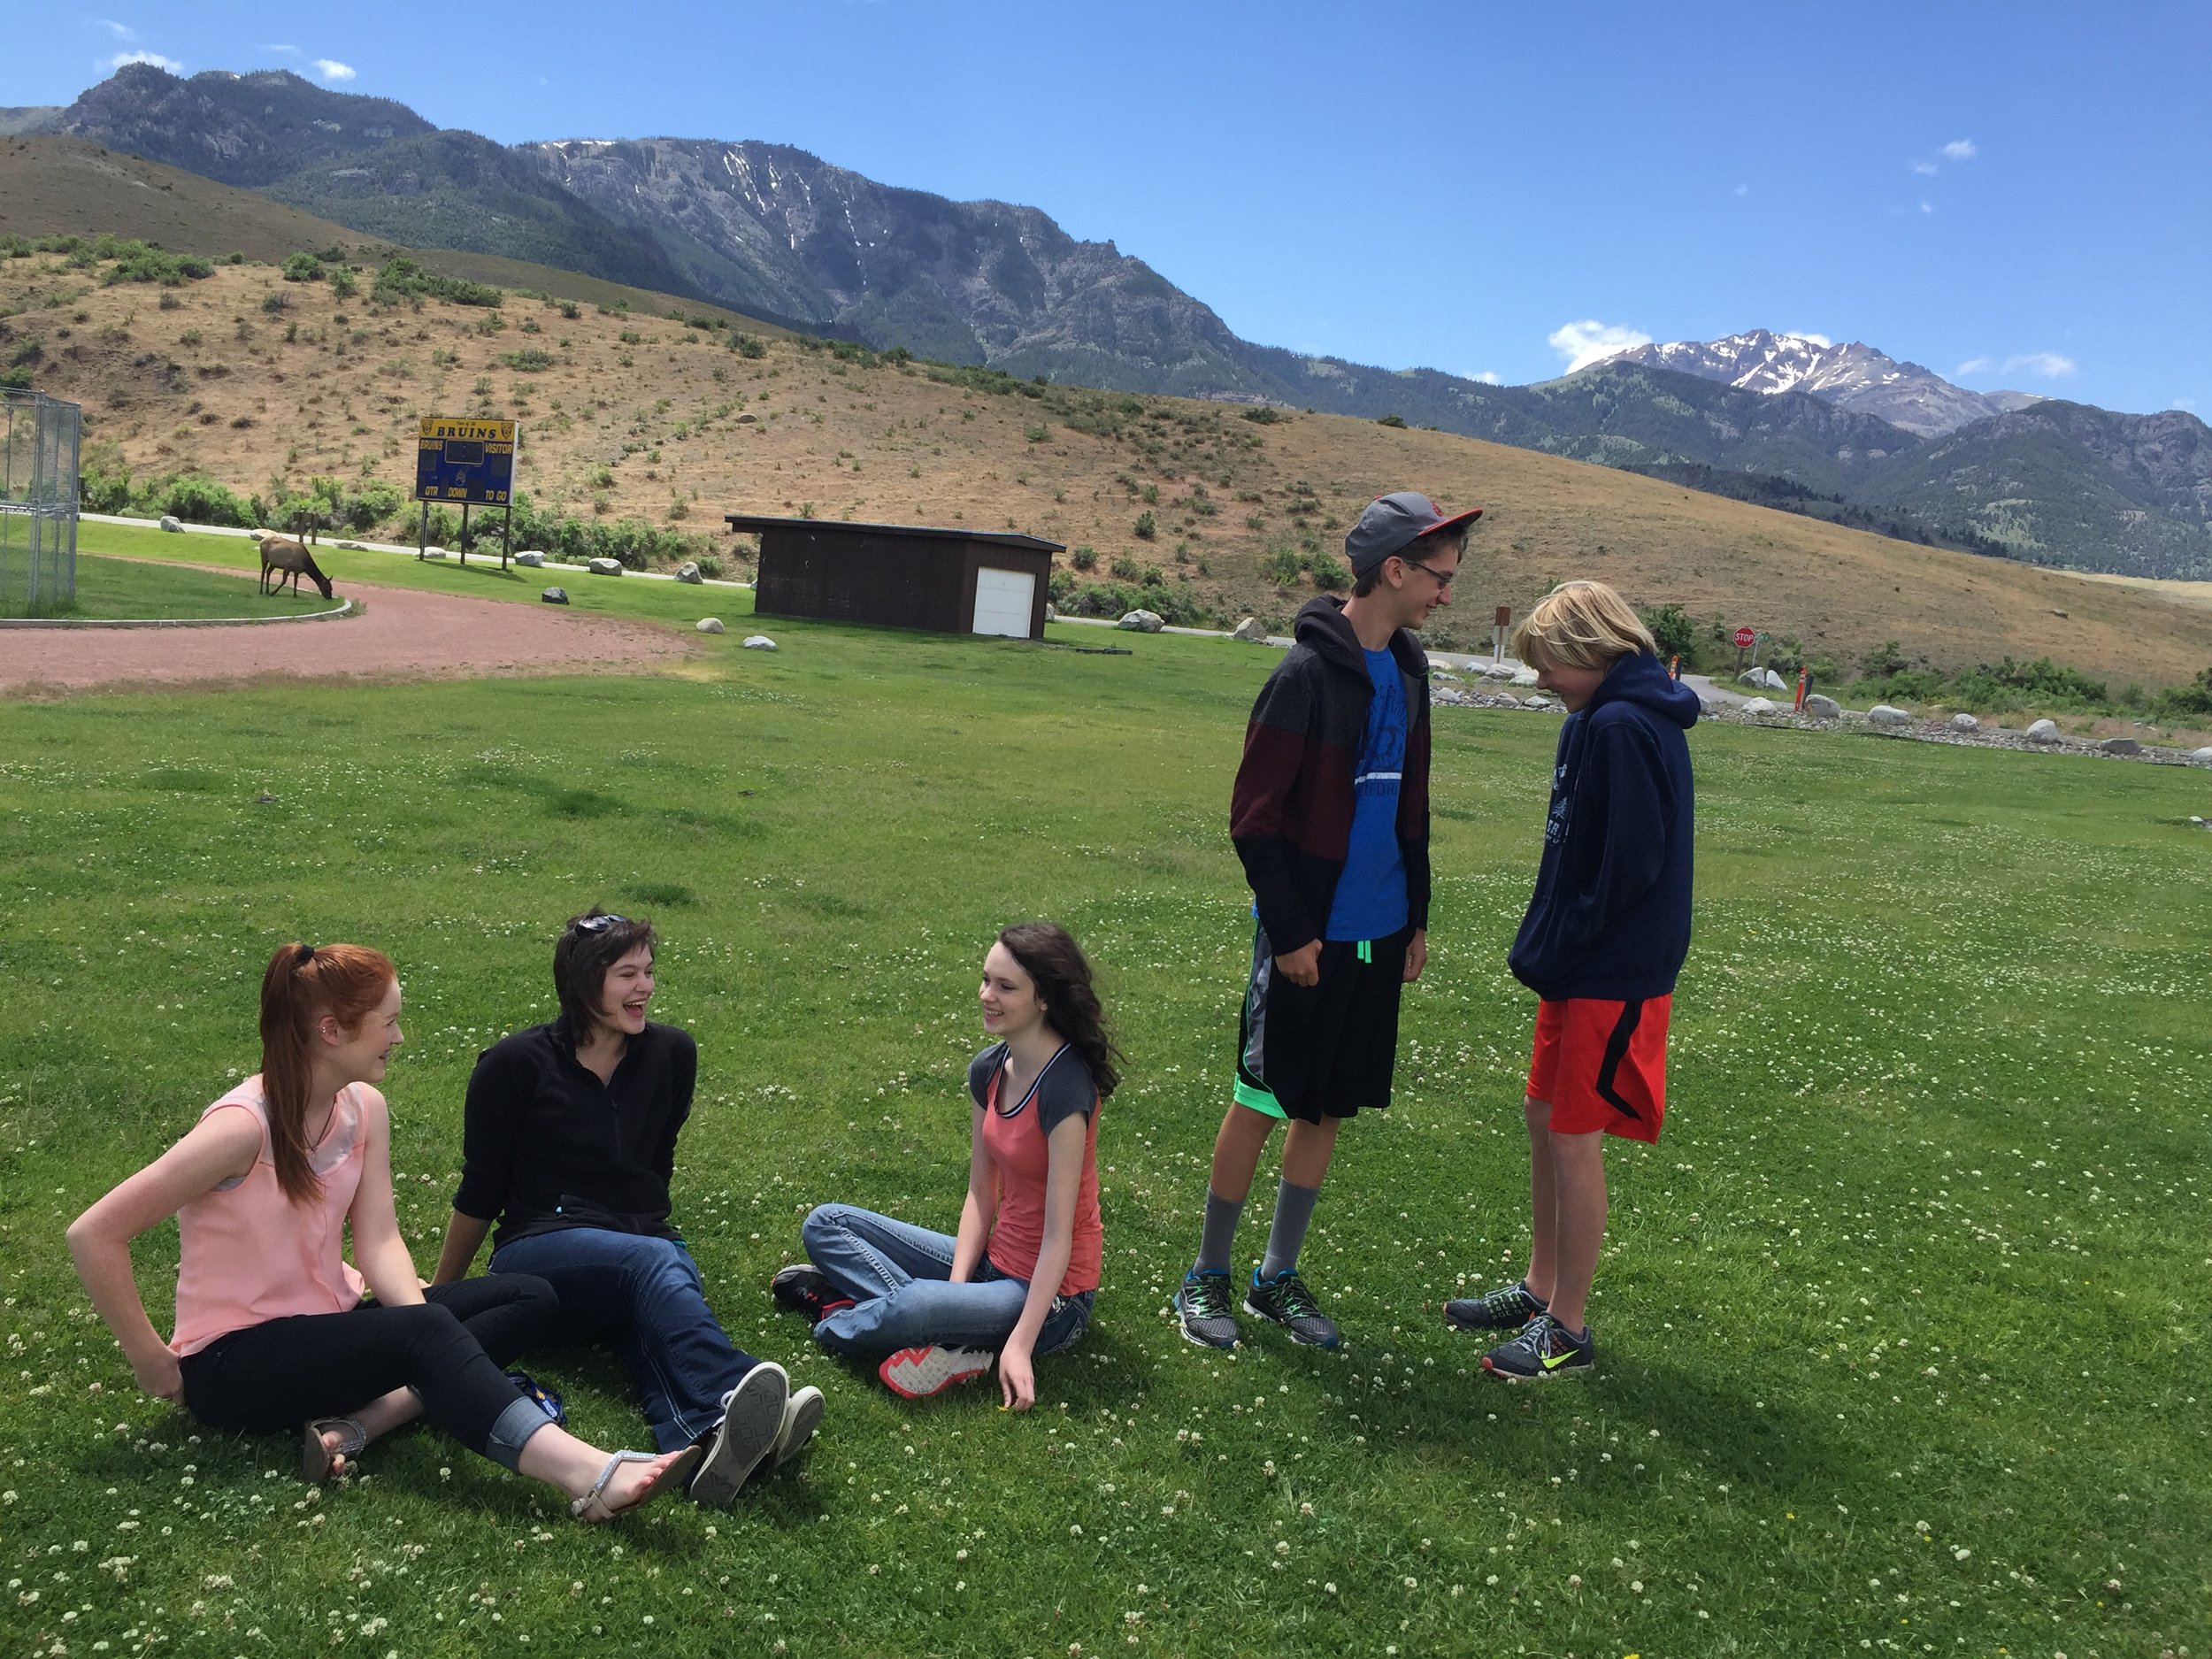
(1489, 376)
(288, 51)
(1807, 334)
(121, 31)
(1961, 150)
(1927, 206)
(1587, 342)
(2049, 365)
(331, 69)
(1926, 169)
(2185, 402)
(1743, 189)
(155, 58)
(1976, 365)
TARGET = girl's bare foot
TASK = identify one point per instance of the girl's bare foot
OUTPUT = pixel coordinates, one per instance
(628, 1481)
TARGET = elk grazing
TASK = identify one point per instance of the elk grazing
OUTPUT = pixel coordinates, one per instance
(290, 560)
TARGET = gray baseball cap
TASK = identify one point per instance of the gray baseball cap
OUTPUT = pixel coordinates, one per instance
(1395, 522)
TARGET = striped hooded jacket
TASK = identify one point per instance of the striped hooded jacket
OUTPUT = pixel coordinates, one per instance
(1290, 815)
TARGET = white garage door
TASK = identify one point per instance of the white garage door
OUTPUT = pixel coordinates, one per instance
(1002, 601)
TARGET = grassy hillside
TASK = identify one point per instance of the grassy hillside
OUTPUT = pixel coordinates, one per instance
(52, 185)
(260, 382)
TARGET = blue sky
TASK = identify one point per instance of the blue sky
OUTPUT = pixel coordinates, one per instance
(2013, 194)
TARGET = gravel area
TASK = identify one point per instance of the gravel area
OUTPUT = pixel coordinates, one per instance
(403, 634)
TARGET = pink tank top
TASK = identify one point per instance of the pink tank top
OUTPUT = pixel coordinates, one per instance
(246, 1254)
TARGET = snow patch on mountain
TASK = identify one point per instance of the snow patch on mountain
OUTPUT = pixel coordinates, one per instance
(1853, 375)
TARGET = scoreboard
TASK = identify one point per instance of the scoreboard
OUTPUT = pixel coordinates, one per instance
(468, 462)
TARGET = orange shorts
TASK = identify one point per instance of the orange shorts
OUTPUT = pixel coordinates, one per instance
(1602, 1065)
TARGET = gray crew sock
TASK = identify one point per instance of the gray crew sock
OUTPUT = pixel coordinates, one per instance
(1294, 1211)
(1220, 1233)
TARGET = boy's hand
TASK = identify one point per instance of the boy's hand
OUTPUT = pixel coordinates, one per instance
(1301, 966)
(1416, 954)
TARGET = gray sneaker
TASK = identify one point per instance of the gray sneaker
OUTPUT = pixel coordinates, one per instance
(1286, 1299)
(801, 1415)
(1506, 1309)
(1204, 1307)
(752, 1416)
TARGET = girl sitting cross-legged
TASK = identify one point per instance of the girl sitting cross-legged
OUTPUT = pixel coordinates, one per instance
(1019, 1278)
(273, 1328)
(570, 1145)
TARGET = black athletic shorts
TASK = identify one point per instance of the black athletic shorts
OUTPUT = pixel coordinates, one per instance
(1326, 1049)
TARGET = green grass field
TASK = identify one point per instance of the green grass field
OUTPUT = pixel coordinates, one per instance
(119, 589)
(1902, 1325)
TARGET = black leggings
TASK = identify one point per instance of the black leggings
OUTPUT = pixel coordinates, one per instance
(272, 1376)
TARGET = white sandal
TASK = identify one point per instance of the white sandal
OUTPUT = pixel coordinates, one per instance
(594, 1509)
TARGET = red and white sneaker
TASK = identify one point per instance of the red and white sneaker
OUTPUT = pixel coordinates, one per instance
(918, 1372)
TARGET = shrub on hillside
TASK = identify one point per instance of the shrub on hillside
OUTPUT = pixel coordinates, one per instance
(529, 360)
(748, 345)
(1084, 558)
(403, 279)
(2193, 700)
(1123, 569)
(1331, 574)
(1144, 528)
(197, 500)
(1390, 421)
(302, 267)
(136, 262)
(1114, 599)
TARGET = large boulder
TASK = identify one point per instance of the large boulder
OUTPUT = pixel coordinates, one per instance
(1052, 612)
(2202, 757)
(689, 571)
(1498, 670)
(1142, 621)
(1250, 631)
(708, 625)
(1753, 677)
(1505, 700)
(533, 559)
(433, 553)
(759, 642)
(256, 535)
(605, 568)
(1755, 705)
(2043, 732)
(1965, 723)
(1523, 676)
(1774, 681)
(555, 595)
(2119, 746)
(1823, 708)
(354, 547)
(1882, 714)
(175, 526)
(1540, 700)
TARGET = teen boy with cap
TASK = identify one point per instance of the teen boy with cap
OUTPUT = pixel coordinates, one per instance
(1606, 932)
(1330, 815)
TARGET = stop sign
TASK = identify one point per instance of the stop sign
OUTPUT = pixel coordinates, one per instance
(1745, 639)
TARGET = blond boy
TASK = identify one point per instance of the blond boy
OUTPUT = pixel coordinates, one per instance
(1604, 939)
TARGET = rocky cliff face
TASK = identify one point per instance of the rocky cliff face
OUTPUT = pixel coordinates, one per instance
(242, 129)
(776, 229)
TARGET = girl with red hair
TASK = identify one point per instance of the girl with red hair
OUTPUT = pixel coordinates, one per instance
(272, 1325)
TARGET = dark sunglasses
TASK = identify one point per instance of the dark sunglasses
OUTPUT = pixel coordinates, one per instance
(597, 923)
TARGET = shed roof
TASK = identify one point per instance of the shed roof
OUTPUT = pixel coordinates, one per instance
(1004, 538)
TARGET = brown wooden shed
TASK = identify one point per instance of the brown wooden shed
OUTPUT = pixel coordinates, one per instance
(902, 575)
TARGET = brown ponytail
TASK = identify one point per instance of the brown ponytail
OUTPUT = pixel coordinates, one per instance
(303, 983)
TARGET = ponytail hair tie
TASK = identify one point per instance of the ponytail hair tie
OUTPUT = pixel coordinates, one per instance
(306, 956)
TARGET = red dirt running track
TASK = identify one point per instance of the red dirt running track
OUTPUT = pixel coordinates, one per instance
(403, 634)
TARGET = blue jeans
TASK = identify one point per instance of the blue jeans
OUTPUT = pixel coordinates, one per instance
(900, 1279)
(642, 1296)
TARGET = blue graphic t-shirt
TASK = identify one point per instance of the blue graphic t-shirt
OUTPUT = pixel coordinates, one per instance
(1371, 894)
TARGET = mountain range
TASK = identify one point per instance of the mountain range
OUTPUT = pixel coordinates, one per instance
(781, 235)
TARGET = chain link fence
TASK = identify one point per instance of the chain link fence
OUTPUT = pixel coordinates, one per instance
(39, 441)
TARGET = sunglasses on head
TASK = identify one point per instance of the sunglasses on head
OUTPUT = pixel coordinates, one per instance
(597, 923)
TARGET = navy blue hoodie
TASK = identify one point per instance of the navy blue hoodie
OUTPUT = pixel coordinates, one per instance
(1610, 916)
